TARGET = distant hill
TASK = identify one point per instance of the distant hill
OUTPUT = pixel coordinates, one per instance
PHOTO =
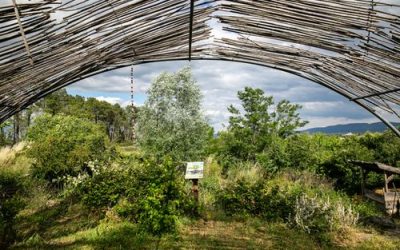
(355, 128)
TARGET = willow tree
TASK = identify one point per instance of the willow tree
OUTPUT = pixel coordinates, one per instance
(171, 121)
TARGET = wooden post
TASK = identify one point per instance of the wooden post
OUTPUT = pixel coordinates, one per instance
(395, 209)
(195, 190)
(386, 183)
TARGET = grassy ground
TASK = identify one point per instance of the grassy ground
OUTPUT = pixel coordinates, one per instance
(68, 232)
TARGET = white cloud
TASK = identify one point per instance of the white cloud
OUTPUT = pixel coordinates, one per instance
(112, 100)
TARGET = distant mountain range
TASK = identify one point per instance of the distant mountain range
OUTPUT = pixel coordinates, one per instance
(355, 128)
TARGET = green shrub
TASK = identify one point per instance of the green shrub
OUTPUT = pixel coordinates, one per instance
(102, 190)
(366, 208)
(385, 146)
(63, 145)
(337, 167)
(159, 197)
(148, 193)
(307, 152)
(242, 198)
(12, 186)
(223, 152)
(245, 197)
(274, 157)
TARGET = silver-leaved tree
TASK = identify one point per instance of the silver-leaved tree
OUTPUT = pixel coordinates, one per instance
(171, 121)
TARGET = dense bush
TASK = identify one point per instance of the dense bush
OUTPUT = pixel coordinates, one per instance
(102, 189)
(157, 197)
(248, 193)
(337, 166)
(242, 198)
(275, 156)
(12, 186)
(307, 152)
(256, 199)
(63, 145)
(149, 193)
(304, 199)
(385, 147)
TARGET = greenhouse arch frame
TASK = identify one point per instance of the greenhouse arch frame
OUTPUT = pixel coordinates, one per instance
(349, 46)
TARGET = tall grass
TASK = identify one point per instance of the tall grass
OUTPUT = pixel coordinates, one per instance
(250, 172)
(12, 159)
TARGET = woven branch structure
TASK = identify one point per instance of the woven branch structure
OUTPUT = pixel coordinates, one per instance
(349, 46)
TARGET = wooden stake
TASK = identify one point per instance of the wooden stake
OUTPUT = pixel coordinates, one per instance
(195, 190)
(21, 29)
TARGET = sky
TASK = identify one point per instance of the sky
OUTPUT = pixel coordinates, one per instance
(219, 83)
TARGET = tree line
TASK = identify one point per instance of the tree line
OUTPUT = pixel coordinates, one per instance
(115, 120)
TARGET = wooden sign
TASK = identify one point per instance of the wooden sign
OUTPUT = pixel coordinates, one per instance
(194, 170)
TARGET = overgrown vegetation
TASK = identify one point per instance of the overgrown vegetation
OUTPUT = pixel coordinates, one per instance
(69, 185)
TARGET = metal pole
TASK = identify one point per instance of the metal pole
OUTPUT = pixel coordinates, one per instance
(191, 28)
(132, 106)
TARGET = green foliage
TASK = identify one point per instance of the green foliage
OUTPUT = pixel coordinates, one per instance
(307, 152)
(302, 198)
(256, 199)
(347, 176)
(3, 137)
(171, 121)
(256, 134)
(366, 208)
(242, 198)
(258, 120)
(159, 197)
(12, 186)
(63, 145)
(386, 147)
(274, 157)
(148, 193)
(101, 190)
(247, 193)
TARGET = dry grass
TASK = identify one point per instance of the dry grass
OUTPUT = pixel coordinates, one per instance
(12, 159)
(250, 234)
(8, 154)
(307, 179)
(359, 238)
(249, 172)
